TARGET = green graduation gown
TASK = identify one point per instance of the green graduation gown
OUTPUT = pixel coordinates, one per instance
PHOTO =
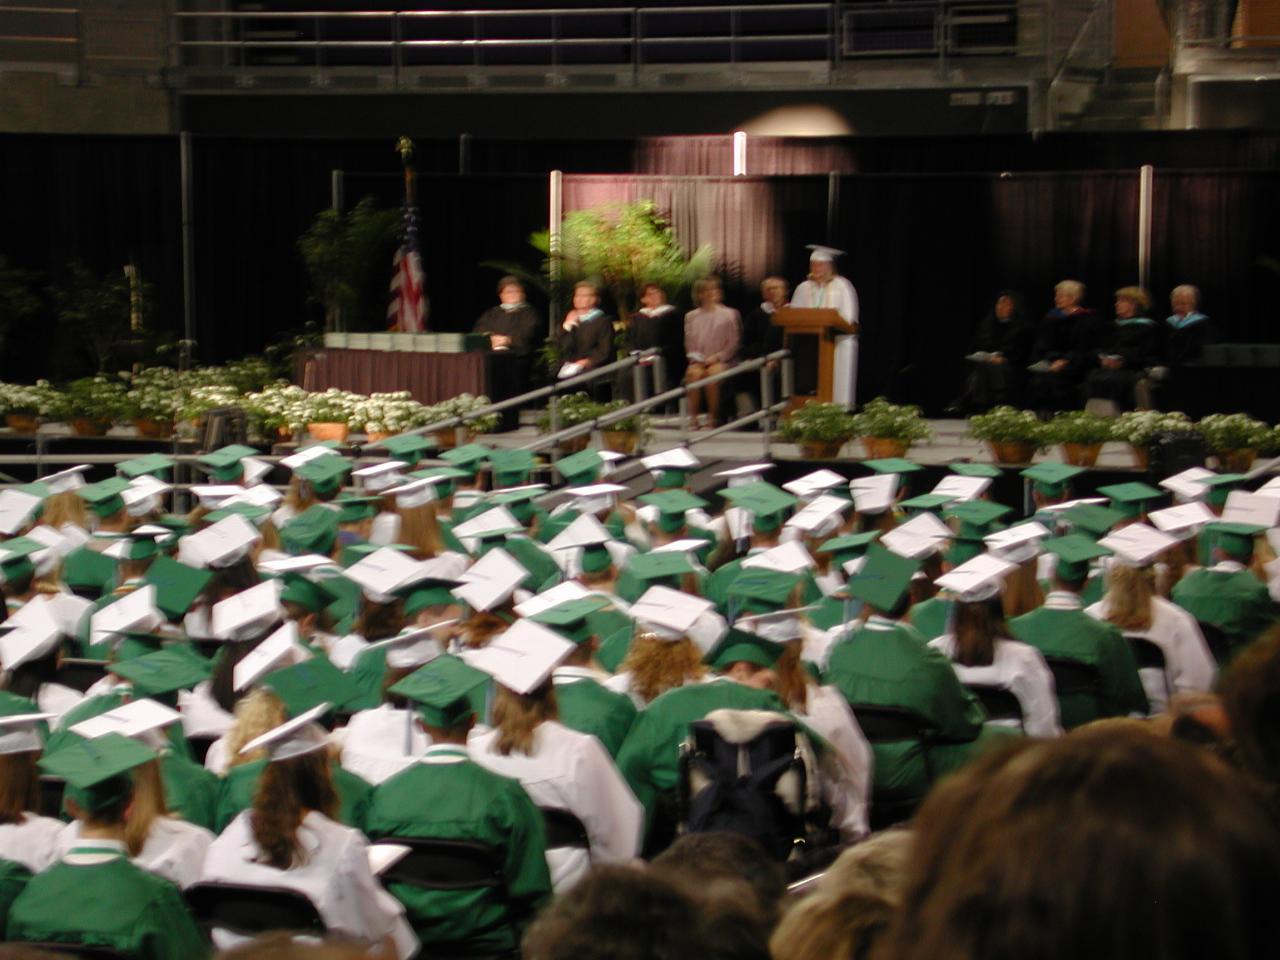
(929, 617)
(13, 880)
(587, 706)
(240, 784)
(448, 796)
(106, 904)
(1061, 629)
(1230, 598)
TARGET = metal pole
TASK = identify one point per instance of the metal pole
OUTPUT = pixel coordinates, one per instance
(555, 218)
(1146, 184)
(335, 190)
(188, 253)
(833, 204)
(464, 153)
(766, 401)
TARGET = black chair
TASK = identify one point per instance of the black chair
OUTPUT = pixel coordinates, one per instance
(1001, 705)
(564, 829)
(883, 724)
(200, 747)
(1149, 657)
(51, 791)
(1221, 644)
(437, 864)
(1071, 678)
(250, 911)
(80, 674)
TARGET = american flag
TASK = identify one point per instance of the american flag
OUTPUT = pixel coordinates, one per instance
(407, 312)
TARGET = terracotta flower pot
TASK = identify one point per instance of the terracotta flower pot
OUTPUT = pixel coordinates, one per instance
(575, 444)
(1237, 461)
(1141, 456)
(22, 422)
(148, 427)
(881, 448)
(446, 439)
(621, 441)
(821, 449)
(1012, 451)
(89, 426)
(328, 431)
(1081, 454)
(377, 436)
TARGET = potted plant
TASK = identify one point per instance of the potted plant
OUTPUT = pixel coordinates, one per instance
(888, 429)
(94, 403)
(339, 250)
(24, 404)
(820, 429)
(277, 411)
(628, 434)
(332, 414)
(196, 401)
(1140, 428)
(1013, 435)
(572, 409)
(155, 394)
(1234, 439)
(386, 414)
(1081, 435)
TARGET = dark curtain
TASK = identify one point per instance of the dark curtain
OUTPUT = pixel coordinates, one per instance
(766, 156)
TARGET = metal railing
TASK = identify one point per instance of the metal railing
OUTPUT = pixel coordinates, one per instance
(1209, 24)
(1085, 62)
(941, 28)
(41, 38)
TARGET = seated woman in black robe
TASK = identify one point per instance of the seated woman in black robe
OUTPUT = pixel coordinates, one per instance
(997, 357)
(1134, 345)
(1187, 330)
(1065, 349)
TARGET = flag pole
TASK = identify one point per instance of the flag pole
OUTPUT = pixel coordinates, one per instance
(404, 146)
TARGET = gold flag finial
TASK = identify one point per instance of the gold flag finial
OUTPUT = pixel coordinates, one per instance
(405, 148)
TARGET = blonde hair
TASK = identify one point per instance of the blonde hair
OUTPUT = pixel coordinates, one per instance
(1176, 560)
(516, 716)
(1130, 592)
(1140, 299)
(1191, 291)
(65, 507)
(257, 712)
(148, 804)
(791, 679)
(420, 529)
(658, 665)
(1022, 591)
(1071, 287)
(299, 496)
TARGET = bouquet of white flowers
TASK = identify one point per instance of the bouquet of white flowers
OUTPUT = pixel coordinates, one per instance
(37, 399)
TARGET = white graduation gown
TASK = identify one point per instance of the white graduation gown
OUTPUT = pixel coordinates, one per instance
(379, 743)
(572, 771)
(838, 295)
(335, 877)
(1021, 669)
(848, 791)
(57, 699)
(32, 843)
(174, 849)
(201, 714)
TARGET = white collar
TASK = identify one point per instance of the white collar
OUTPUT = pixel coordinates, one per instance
(1063, 600)
(567, 674)
(877, 622)
(444, 753)
(767, 307)
(1227, 566)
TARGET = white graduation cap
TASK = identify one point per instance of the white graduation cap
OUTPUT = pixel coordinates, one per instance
(585, 531)
(560, 593)
(293, 738)
(522, 657)
(246, 614)
(610, 458)
(136, 719)
(670, 612)
(925, 524)
(383, 572)
(16, 510)
(820, 517)
(498, 520)
(977, 579)
(135, 612)
(823, 253)
(855, 565)
(959, 487)
(1068, 504)
(491, 580)
(1258, 509)
(789, 557)
(683, 545)
(143, 494)
(746, 474)
(254, 470)
(412, 648)
(1137, 544)
(219, 545)
(813, 484)
(777, 626)
(281, 649)
(595, 497)
(214, 495)
(677, 458)
(1183, 521)
(1188, 485)
(874, 494)
(415, 493)
(306, 455)
(56, 546)
(20, 732)
(32, 640)
(262, 495)
(1017, 544)
(70, 479)
(380, 476)
(303, 564)
(65, 608)
(911, 546)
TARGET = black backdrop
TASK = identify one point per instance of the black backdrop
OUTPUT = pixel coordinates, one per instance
(933, 226)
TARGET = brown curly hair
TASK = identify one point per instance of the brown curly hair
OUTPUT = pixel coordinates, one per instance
(478, 629)
(657, 665)
(288, 790)
(792, 683)
(19, 786)
(517, 715)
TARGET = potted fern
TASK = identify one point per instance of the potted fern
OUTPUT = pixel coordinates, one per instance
(1140, 429)
(1081, 435)
(889, 429)
(1234, 439)
(1013, 435)
(628, 434)
(571, 410)
(820, 429)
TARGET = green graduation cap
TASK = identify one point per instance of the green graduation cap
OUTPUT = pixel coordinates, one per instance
(426, 594)
(768, 504)
(137, 644)
(177, 585)
(581, 468)
(927, 502)
(738, 646)
(883, 579)
(354, 509)
(964, 549)
(1092, 519)
(893, 465)
(311, 683)
(153, 464)
(511, 467)
(1131, 499)
(103, 497)
(672, 505)
(985, 470)
(756, 590)
(252, 512)
(298, 589)
(224, 464)
(469, 458)
(408, 449)
(355, 552)
(669, 564)
(1235, 539)
(849, 546)
(977, 515)
(571, 618)
(324, 475)
(1074, 553)
(1051, 479)
(442, 689)
(85, 571)
(162, 672)
(444, 479)
(97, 771)
(313, 531)
(1220, 487)
(344, 600)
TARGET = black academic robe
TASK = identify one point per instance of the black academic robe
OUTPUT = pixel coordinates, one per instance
(592, 340)
(522, 325)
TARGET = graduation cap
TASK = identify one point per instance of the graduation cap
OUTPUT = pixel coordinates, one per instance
(883, 578)
(21, 728)
(312, 684)
(63, 481)
(149, 465)
(669, 614)
(581, 468)
(281, 649)
(224, 463)
(491, 580)
(314, 531)
(1131, 499)
(1019, 543)
(382, 573)
(788, 557)
(138, 545)
(1183, 521)
(254, 514)
(766, 503)
(104, 498)
(444, 479)
(1219, 486)
(1187, 486)
(293, 738)
(522, 657)
(745, 474)
(1137, 544)
(663, 566)
(18, 558)
(874, 494)
(986, 470)
(958, 487)
(493, 524)
(380, 476)
(671, 468)
(37, 637)
(138, 720)
(431, 593)
(245, 615)
(442, 689)
(519, 500)
(1092, 519)
(778, 626)
(849, 545)
(590, 535)
(760, 590)
(511, 467)
(176, 585)
(324, 475)
(672, 505)
(408, 449)
(1255, 508)
(739, 646)
(88, 569)
(976, 516)
(354, 509)
(414, 493)
(17, 509)
(1051, 479)
(1233, 539)
(313, 451)
(823, 254)
(162, 672)
(97, 772)
(595, 497)
(815, 484)
(134, 612)
(469, 458)
(978, 579)
(927, 502)
(1074, 553)
(893, 465)
(570, 619)
(355, 552)
(922, 535)
(820, 517)
(143, 495)
(219, 545)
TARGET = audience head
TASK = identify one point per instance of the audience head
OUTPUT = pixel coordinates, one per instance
(1107, 843)
(1132, 302)
(1184, 299)
(697, 858)
(1008, 305)
(652, 295)
(707, 291)
(775, 290)
(585, 295)
(1068, 293)
(510, 290)
(1250, 692)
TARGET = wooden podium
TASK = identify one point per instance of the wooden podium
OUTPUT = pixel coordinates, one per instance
(810, 334)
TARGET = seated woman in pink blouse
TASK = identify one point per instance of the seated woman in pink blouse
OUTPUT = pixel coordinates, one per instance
(712, 335)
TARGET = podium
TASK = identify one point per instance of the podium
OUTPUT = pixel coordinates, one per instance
(810, 334)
